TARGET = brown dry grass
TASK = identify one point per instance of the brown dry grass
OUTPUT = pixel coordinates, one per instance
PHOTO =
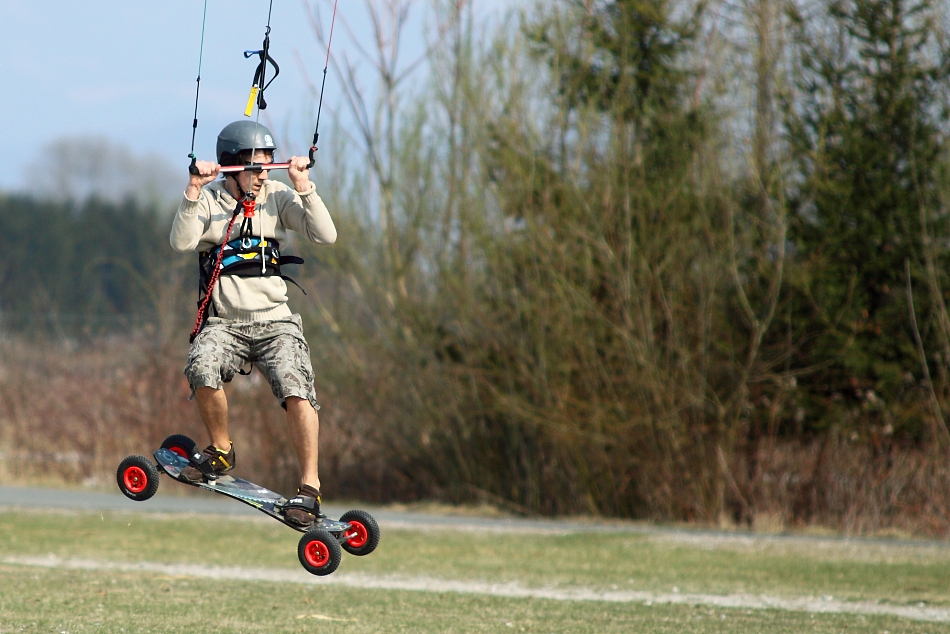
(70, 413)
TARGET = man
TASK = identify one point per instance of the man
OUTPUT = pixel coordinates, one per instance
(247, 319)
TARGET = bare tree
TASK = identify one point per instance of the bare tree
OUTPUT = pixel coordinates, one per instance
(376, 109)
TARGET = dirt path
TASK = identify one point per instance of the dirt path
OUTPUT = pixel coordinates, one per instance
(820, 605)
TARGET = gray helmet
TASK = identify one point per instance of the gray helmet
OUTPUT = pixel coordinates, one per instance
(244, 135)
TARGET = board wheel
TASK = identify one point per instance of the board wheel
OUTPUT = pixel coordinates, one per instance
(319, 552)
(362, 537)
(137, 478)
(179, 444)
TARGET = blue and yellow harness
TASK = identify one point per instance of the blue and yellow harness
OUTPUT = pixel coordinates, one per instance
(247, 256)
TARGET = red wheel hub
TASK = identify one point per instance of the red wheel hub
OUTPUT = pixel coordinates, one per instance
(317, 554)
(357, 535)
(135, 479)
(181, 452)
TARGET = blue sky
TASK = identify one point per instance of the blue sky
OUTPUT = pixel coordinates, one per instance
(126, 69)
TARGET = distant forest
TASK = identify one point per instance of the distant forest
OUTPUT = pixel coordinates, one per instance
(640, 258)
(80, 266)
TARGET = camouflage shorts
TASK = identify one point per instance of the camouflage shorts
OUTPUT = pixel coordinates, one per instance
(276, 347)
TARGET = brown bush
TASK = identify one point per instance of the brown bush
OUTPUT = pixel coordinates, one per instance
(70, 413)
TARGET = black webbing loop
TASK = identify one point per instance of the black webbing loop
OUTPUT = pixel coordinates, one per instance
(260, 73)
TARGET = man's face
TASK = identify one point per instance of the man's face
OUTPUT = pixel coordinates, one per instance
(252, 182)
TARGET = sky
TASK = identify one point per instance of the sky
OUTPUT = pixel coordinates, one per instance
(125, 70)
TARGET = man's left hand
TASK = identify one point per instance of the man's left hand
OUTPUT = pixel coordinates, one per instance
(299, 173)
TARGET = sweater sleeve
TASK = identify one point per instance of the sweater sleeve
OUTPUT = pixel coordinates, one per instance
(190, 223)
(306, 214)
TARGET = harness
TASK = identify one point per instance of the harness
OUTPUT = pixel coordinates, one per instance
(245, 257)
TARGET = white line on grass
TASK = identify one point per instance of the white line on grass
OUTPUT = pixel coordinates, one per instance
(823, 605)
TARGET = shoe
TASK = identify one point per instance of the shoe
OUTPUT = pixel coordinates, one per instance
(219, 461)
(304, 508)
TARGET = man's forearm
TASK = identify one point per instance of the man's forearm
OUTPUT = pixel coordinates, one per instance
(319, 227)
(188, 225)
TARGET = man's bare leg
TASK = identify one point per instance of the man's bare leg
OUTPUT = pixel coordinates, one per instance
(213, 407)
(304, 434)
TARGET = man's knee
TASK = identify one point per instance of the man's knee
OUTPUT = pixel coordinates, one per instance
(298, 404)
(209, 393)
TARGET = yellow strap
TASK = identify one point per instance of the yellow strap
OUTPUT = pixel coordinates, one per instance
(251, 100)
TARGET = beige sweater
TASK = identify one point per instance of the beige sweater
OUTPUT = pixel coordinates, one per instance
(200, 225)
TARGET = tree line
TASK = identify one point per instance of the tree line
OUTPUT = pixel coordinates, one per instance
(79, 268)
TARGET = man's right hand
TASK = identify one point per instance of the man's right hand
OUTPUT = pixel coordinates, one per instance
(207, 172)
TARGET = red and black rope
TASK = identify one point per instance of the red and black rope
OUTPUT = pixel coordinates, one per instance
(215, 274)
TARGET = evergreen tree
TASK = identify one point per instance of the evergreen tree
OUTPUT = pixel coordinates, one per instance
(868, 137)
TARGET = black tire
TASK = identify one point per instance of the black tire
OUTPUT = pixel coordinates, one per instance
(137, 478)
(319, 552)
(367, 533)
(180, 444)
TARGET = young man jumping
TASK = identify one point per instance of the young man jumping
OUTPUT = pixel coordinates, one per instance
(248, 320)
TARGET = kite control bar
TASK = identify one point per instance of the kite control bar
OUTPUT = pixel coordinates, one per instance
(253, 167)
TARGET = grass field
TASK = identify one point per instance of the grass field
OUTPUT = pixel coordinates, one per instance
(38, 599)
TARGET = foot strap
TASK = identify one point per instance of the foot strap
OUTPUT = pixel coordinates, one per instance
(303, 502)
(202, 463)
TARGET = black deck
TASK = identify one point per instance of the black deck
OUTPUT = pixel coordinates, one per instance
(264, 500)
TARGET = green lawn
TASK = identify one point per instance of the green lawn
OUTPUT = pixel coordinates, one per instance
(45, 600)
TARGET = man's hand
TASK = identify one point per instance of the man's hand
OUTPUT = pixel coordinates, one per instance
(207, 172)
(299, 173)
